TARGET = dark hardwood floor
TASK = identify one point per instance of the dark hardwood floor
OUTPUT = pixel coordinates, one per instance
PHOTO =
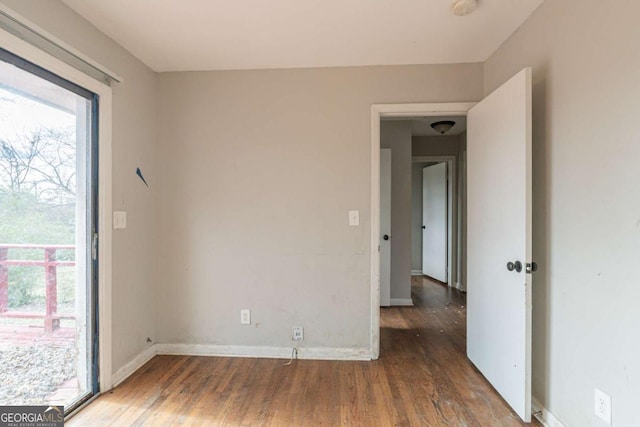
(421, 379)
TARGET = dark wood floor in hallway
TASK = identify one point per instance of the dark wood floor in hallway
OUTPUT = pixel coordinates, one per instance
(421, 379)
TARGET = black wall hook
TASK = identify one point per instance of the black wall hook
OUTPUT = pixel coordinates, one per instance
(139, 173)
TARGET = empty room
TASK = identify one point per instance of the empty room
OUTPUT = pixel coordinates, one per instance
(300, 213)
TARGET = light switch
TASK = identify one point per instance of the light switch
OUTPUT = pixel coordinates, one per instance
(354, 218)
(119, 220)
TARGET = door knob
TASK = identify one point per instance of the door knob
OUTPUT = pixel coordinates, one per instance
(385, 237)
(517, 266)
(424, 227)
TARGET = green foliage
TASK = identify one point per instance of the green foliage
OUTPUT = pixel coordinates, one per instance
(23, 220)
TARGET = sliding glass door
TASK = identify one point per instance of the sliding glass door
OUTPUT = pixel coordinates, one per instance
(48, 212)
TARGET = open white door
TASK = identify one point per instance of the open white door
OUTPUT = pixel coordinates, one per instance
(498, 233)
(434, 221)
(385, 227)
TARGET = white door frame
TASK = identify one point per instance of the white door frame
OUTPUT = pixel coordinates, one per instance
(54, 65)
(452, 211)
(379, 111)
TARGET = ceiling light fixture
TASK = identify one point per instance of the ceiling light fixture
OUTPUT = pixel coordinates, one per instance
(443, 126)
(464, 7)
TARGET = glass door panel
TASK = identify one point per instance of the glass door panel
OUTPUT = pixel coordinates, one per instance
(47, 220)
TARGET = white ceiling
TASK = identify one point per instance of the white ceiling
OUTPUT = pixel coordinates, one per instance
(172, 35)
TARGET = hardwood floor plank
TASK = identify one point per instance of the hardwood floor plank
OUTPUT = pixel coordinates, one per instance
(422, 378)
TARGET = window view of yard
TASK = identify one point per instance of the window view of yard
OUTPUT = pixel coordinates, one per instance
(43, 345)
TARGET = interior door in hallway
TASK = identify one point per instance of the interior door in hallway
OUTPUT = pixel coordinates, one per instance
(499, 240)
(434, 221)
(385, 227)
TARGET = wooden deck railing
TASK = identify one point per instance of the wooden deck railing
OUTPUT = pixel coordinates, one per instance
(50, 264)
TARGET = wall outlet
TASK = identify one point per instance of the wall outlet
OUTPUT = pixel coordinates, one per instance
(298, 333)
(245, 317)
(602, 406)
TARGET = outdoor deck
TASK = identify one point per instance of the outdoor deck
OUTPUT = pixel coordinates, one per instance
(50, 264)
(30, 335)
(30, 338)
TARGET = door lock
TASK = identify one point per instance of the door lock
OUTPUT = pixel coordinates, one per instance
(385, 237)
(531, 267)
(517, 266)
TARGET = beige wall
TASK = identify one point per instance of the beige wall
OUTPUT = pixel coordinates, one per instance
(396, 135)
(586, 147)
(434, 146)
(259, 170)
(134, 134)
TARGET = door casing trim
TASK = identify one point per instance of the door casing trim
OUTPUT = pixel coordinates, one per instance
(378, 111)
(452, 212)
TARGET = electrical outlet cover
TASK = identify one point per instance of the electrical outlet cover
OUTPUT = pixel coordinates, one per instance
(245, 317)
(602, 406)
(298, 333)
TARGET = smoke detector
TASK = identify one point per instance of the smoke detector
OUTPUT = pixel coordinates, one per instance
(464, 7)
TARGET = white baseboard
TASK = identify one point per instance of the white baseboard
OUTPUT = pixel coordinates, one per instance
(133, 365)
(313, 353)
(545, 417)
(317, 353)
(416, 272)
(408, 302)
